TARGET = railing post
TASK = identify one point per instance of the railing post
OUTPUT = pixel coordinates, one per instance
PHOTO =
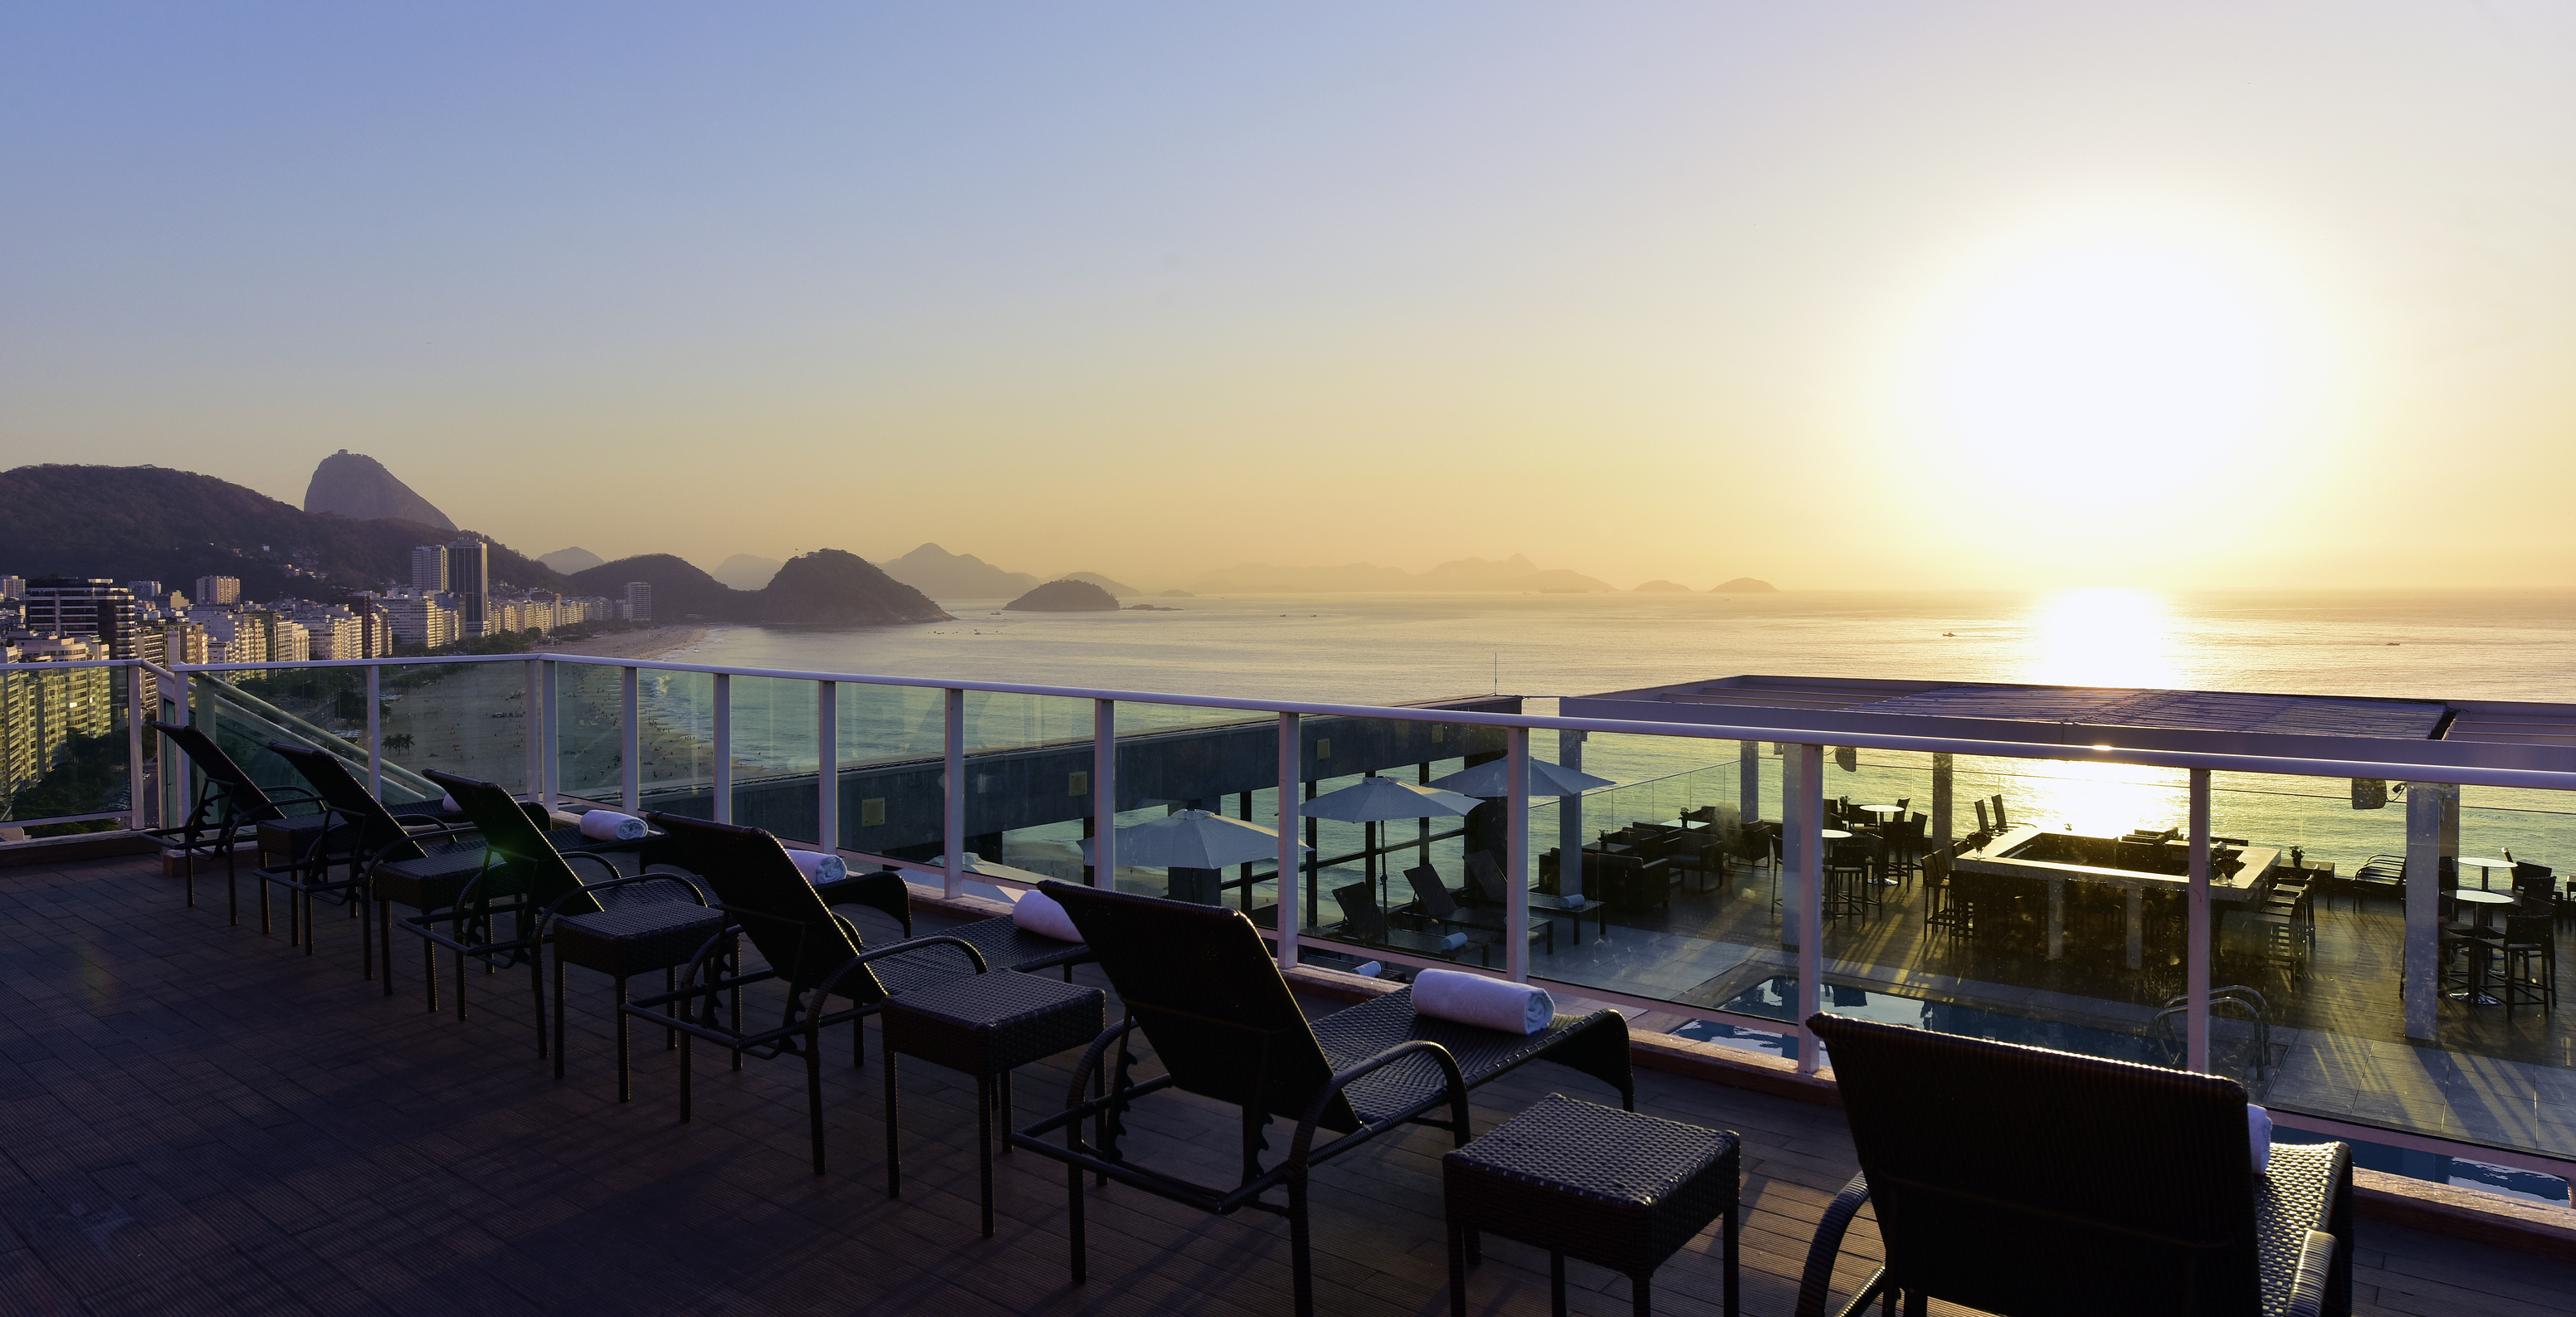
(1748, 783)
(2195, 972)
(135, 813)
(630, 752)
(1104, 794)
(375, 731)
(1808, 772)
(1292, 762)
(1516, 857)
(549, 744)
(531, 737)
(952, 835)
(1569, 819)
(827, 765)
(723, 812)
(1944, 798)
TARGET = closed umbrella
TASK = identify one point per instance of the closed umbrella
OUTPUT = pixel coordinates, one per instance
(1492, 780)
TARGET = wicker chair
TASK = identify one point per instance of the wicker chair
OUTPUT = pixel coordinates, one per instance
(1365, 924)
(227, 802)
(363, 833)
(2017, 1180)
(811, 952)
(1431, 897)
(1203, 989)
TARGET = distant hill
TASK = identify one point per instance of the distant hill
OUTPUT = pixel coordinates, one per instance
(745, 572)
(1745, 585)
(827, 588)
(569, 561)
(1065, 596)
(936, 572)
(1103, 582)
(154, 523)
(1662, 587)
(1516, 573)
(358, 487)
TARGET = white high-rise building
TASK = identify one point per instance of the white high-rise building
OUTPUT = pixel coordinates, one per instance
(289, 642)
(420, 619)
(639, 601)
(218, 589)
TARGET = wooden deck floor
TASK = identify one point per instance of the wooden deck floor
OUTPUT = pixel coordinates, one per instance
(194, 1118)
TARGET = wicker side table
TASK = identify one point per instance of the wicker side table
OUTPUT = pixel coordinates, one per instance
(1607, 1186)
(986, 1025)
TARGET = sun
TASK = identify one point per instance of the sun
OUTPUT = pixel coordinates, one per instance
(2117, 363)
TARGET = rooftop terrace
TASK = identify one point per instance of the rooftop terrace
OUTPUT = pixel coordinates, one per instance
(203, 1119)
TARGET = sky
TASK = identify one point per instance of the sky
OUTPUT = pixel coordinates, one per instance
(1845, 295)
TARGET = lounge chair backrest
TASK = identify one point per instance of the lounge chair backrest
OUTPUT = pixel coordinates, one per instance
(1489, 877)
(778, 908)
(2006, 1178)
(1208, 994)
(241, 795)
(1359, 910)
(2001, 820)
(1431, 892)
(516, 843)
(380, 834)
(1982, 824)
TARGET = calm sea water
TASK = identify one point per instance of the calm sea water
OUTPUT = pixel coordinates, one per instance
(1379, 648)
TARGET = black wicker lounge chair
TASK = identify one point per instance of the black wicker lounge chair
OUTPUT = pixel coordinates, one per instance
(1363, 923)
(1431, 897)
(618, 924)
(813, 953)
(1207, 995)
(227, 802)
(2018, 1180)
(365, 836)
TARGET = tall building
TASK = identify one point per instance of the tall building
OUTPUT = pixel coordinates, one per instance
(218, 589)
(469, 578)
(73, 606)
(144, 589)
(639, 601)
(13, 587)
(376, 636)
(429, 568)
(235, 637)
(289, 642)
(42, 706)
(421, 619)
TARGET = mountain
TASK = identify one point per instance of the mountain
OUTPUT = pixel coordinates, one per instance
(153, 523)
(1515, 573)
(826, 588)
(358, 487)
(569, 561)
(1103, 582)
(1745, 585)
(1661, 587)
(1065, 596)
(936, 572)
(745, 572)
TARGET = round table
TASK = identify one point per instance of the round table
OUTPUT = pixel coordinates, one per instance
(2485, 903)
(1896, 810)
(2483, 864)
(1834, 834)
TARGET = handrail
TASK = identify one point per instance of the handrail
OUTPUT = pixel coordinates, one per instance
(2394, 770)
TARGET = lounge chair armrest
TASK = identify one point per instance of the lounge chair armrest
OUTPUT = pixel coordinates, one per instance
(884, 890)
(1815, 1284)
(1451, 1075)
(2316, 1269)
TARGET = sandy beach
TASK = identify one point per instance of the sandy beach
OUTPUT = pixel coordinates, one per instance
(651, 643)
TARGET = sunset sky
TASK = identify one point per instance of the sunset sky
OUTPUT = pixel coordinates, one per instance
(1840, 295)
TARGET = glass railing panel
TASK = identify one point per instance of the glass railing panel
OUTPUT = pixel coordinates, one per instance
(590, 728)
(774, 756)
(1027, 788)
(675, 739)
(469, 719)
(1366, 880)
(66, 744)
(888, 746)
(1186, 780)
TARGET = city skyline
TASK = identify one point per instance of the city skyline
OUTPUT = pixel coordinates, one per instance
(1155, 292)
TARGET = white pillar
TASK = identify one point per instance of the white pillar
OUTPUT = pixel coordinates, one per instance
(1569, 819)
(2428, 808)
(2195, 974)
(1104, 794)
(1808, 772)
(952, 836)
(827, 765)
(1516, 858)
(1748, 784)
(723, 697)
(1794, 839)
(1291, 768)
(1943, 799)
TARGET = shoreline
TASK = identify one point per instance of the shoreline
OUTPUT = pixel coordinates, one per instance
(652, 643)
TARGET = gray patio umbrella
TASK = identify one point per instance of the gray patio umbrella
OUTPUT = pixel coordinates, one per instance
(1492, 780)
(1192, 839)
(1380, 799)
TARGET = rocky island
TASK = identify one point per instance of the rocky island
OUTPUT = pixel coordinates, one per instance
(1065, 596)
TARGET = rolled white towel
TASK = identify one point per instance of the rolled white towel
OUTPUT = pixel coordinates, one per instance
(819, 866)
(1453, 941)
(1486, 1003)
(2258, 1134)
(1368, 969)
(1038, 913)
(609, 825)
(448, 803)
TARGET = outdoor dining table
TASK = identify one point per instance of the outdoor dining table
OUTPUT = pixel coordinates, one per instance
(2483, 864)
(2485, 903)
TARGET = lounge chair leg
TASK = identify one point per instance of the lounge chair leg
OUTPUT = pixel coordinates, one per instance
(1641, 1291)
(460, 987)
(232, 890)
(1457, 1270)
(1556, 1284)
(1301, 1262)
(1002, 1104)
(266, 922)
(1731, 1229)
(1073, 1210)
(983, 1140)
(188, 867)
(814, 1091)
(670, 1009)
(429, 967)
(625, 1052)
(893, 1115)
(559, 1029)
(385, 941)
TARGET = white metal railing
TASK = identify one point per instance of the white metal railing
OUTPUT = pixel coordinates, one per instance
(1802, 811)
